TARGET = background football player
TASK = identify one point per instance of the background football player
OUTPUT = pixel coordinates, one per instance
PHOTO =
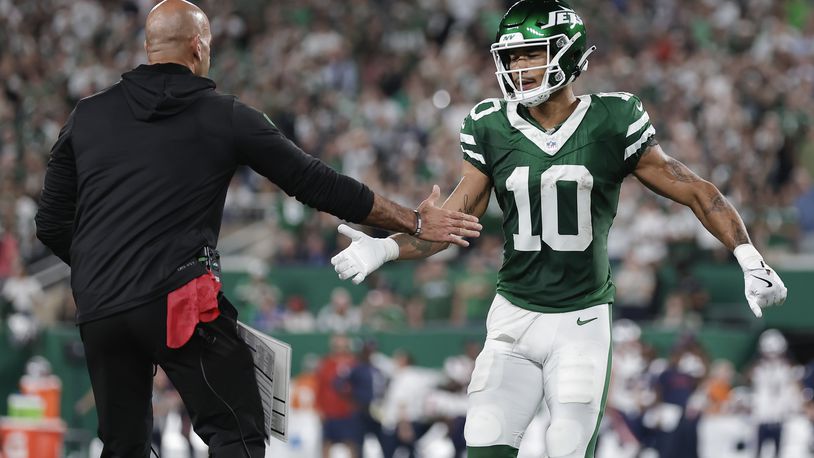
(556, 163)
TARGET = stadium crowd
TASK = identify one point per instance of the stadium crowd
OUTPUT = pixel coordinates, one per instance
(358, 401)
(378, 90)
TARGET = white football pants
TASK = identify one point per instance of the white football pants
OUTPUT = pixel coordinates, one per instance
(528, 356)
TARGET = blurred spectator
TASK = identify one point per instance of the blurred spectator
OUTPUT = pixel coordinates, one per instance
(256, 287)
(647, 230)
(728, 433)
(334, 402)
(404, 419)
(636, 288)
(674, 386)
(305, 385)
(804, 205)
(366, 383)
(339, 315)
(432, 281)
(22, 292)
(9, 250)
(315, 251)
(629, 391)
(258, 301)
(267, 314)
(693, 289)
(473, 293)
(304, 424)
(286, 249)
(448, 402)
(414, 310)
(296, 317)
(381, 311)
(776, 394)
(718, 386)
(676, 312)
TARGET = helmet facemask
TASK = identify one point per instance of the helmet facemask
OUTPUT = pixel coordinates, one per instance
(555, 77)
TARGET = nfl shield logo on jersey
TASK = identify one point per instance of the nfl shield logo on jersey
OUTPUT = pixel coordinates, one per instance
(551, 144)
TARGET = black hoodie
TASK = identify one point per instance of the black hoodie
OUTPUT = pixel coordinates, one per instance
(137, 180)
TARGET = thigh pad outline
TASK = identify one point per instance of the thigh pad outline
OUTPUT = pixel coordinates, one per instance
(576, 376)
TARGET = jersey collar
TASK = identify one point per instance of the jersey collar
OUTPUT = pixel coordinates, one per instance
(549, 143)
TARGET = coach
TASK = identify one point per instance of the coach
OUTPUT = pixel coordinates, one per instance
(133, 200)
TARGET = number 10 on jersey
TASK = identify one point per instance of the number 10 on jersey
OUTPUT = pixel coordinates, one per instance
(518, 184)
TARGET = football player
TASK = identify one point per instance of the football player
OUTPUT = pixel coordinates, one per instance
(555, 162)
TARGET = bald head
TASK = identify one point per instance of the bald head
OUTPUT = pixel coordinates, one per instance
(178, 31)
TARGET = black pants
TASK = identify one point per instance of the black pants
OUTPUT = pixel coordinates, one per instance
(121, 351)
(769, 432)
(366, 424)
(392, 442)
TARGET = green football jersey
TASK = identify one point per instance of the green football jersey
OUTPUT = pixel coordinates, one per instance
(559, 192)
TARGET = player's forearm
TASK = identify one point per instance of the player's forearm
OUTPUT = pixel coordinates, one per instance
(391, 216)
(413, 248)
(719, 216)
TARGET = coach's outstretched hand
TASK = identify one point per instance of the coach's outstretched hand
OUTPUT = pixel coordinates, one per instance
(442, 225)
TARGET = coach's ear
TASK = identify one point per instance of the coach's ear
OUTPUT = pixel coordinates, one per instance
(197, 48)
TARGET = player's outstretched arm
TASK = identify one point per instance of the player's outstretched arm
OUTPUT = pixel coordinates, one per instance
(366, 254)
(674, 180)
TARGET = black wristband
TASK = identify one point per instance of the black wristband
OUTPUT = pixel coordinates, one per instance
(417, 231)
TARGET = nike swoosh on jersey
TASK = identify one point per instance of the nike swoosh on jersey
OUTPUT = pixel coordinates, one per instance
(768, 283)
(580, 322)
(639, 106)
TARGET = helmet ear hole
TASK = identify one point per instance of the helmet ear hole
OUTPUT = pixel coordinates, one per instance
(571, 58)
(576, 55)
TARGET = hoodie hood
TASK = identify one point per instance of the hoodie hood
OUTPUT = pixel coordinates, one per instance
(162, 90)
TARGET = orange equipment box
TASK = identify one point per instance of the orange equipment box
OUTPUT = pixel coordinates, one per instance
(31, 438)
(48, 388)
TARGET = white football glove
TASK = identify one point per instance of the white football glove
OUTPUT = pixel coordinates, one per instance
(364, 255)
(762, 286)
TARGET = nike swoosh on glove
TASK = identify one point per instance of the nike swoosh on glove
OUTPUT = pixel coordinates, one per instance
(762, 286)
(364, 255)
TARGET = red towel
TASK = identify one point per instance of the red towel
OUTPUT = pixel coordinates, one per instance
(196, 302)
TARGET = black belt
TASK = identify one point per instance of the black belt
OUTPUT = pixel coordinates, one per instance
(207, 257)
(210, 258)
